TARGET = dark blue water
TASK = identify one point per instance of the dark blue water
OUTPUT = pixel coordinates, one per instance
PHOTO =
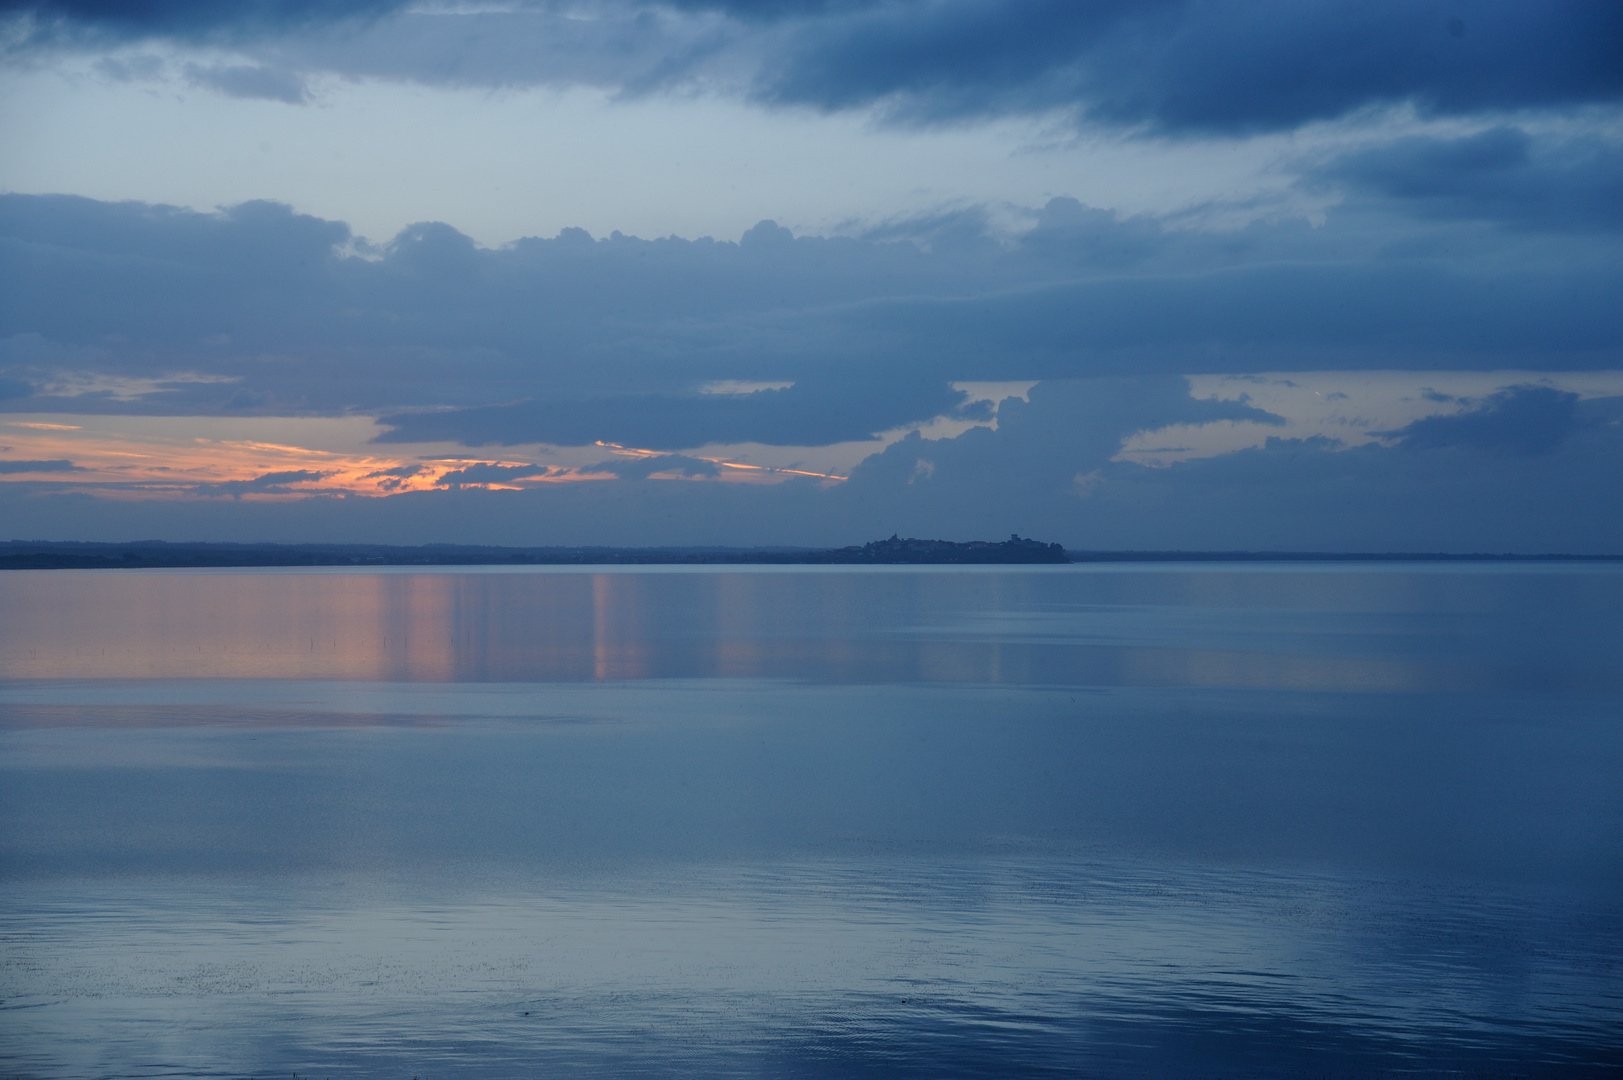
(1183, 821)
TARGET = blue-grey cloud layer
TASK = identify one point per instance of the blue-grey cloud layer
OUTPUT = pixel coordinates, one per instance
(1209, 66)
(1524, 421)
(1501, 175)
(184, 19)
(1216, 66)
(572, 340)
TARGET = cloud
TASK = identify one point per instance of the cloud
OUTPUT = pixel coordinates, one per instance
(1204, 67)
(251, 81)
(1172, 66)
(1520, 420)
(1045, 473)
(1065, 427)
(641, 468)
(479, 473)
(806, 414)
(1245, 317)
(7, 467)
(275, 483)
(1500, 175)
(49, 21)
(1462, 496)
(574, 340)
(260, 239)
(139, 68)
(394, 479)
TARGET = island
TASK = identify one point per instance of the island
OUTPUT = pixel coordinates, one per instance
(897, 551)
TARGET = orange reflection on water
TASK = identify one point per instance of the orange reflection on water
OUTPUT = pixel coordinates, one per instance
(619, 643)
(157, 625)
(546, 625)
(422, 627)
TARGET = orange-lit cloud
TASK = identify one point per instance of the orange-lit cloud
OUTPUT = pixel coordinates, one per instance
(122, 456)
(174, 464)
(164, 458)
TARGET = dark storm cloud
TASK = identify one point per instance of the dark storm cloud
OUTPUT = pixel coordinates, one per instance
(575, 340)
(185, 19)
(1221, 66)
(1521, 420)
(1501, 175)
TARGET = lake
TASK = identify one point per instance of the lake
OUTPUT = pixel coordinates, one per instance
(1108, 821)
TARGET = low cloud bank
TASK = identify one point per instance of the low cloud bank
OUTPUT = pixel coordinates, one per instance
(257, 310)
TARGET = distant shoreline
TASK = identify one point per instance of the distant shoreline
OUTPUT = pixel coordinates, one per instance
(157, 554)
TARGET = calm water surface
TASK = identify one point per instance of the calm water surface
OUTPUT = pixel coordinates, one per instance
(1095, 821)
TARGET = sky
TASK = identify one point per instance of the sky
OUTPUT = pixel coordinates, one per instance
(1166, 275)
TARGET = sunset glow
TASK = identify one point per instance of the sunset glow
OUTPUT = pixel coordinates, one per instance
(112, 457)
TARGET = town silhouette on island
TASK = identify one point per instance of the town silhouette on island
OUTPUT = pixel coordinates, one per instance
(898, 550)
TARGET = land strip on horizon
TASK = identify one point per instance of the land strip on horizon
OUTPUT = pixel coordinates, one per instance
(158, 554)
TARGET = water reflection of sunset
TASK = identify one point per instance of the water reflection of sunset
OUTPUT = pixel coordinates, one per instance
(545, 625)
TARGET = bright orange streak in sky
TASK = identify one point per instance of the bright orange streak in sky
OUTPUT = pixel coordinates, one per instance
(169, 463)
(124, 466)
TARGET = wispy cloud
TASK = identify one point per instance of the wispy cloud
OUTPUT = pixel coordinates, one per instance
(276, 483)
(56, 466)
(251, 81)
(487, 474)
